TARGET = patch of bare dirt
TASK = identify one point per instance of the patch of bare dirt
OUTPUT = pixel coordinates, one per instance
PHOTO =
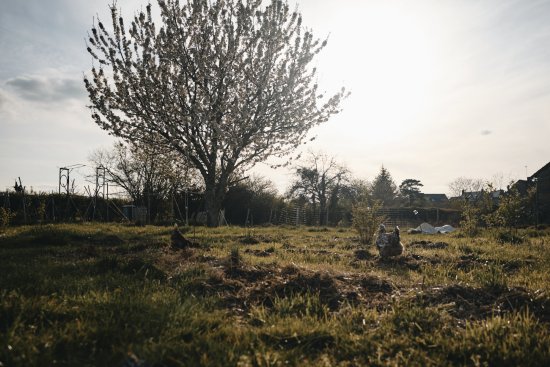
(472, 261)
(362, 255)
(248, 240)
(333, 289)
(260, 253)
(428, 245)
(409, 261)
(476, 303)
(313, 251)
(240, 286)
(256, 239)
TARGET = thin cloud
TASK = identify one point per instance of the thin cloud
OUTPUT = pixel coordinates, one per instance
(46, 88)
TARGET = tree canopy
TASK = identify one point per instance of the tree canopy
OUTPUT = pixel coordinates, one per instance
(227, 84)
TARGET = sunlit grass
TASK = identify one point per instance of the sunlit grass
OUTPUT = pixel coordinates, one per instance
(102, 294)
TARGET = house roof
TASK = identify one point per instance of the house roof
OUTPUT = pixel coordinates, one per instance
(436, 197)
(545, 167)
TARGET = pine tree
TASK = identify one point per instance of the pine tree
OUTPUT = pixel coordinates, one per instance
(384, 189)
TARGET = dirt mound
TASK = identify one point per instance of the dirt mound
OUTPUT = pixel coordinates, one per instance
(333, 289)
(241, 285)
(471, 261)
(260, 253)
(477, 303)
(428, 245)
(313, 251)
(256, 239)
(409, 261)
(362, 255)
(248, 240)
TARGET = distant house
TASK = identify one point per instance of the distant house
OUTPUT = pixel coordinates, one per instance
(522, 186)
(473, 196)
(436, 198)
(541, 181)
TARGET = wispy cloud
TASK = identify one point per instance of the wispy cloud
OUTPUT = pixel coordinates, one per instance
(48, 89)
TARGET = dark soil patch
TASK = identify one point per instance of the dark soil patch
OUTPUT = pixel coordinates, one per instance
(254, 240)
(248, 240)
(248, 274)
(312, 342)
(205, 258)
(362, 255)
(260, 253)
(478, 303)
(108, 240)
(409, 261)
(471, 261)
(242, 286)
(333, 290)
(313, 251)
(287, 246)
(429, 245)
(215, 284)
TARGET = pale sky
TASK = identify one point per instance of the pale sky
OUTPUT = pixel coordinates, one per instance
(440, 89)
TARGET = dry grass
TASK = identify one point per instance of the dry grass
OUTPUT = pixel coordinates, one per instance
(108, 295)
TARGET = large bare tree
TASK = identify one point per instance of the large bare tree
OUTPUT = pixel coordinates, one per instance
(318, 180)
(227, 84)
(143, 171)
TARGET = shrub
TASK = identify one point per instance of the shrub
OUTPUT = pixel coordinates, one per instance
(470, 220)
(366, 220)
(5, 217)
(508, 236)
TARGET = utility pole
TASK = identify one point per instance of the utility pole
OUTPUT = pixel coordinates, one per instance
(536, 181)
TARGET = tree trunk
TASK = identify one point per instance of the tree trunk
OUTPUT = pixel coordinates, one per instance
(213, 198)
(322, 211)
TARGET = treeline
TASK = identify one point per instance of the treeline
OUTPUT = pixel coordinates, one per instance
(245, 204)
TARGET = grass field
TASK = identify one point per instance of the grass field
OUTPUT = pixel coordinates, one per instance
(113, 295)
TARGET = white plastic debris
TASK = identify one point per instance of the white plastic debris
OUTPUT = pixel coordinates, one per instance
(427, 228)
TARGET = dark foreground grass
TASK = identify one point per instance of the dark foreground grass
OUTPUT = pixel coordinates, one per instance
(106, 295)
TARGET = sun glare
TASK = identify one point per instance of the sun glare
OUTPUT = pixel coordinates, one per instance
(399, 64)
(394, 50)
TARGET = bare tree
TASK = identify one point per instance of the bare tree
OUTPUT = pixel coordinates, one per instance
(226, 84)
(142, 171)
(465, 184)
(318, 180)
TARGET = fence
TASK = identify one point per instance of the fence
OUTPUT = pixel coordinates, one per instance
(411, 217)
(34, 208)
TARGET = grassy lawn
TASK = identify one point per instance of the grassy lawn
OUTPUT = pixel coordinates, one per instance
(113, 295)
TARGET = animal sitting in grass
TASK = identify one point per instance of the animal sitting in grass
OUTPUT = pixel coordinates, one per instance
(389, 244)
(178, 241)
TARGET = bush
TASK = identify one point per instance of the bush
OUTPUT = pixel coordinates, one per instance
(366, 220)
(470, 220)
(5, 217)
(508, 236)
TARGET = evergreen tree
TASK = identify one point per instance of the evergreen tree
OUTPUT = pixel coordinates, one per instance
(383, 188)
(410, 190)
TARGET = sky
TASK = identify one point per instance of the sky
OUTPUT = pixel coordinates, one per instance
(440, 89)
